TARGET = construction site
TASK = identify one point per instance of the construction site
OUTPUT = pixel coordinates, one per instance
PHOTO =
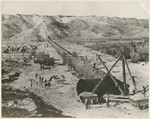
(46, 73)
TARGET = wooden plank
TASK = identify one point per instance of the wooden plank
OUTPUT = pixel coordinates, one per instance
(116, 96)
(88, 94)
(118, 100)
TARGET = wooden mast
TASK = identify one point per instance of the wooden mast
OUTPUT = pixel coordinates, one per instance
(132, 77)
(123, 69)
(124, 74)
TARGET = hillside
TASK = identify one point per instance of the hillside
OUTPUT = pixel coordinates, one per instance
(36, 27)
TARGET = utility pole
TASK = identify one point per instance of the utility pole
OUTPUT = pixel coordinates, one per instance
(124, 75)
(132, 77)
(123, 69)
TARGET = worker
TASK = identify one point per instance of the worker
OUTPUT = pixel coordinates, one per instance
(12, 49)
(51, 78)
(36, 75)
(72, 69)
(87, 102)
(45, 83)
(97, 69)
(37, 83)
(94, 65)
(69, 68)
(48, 84)
(31, 84)
(144, 90)
(40, 79)
(63, 77)
(41, 66)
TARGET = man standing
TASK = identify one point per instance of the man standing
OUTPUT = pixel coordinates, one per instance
(31, 83)
(36, 75)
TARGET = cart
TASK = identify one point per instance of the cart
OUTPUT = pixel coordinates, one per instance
(87, 97)
(139, 100)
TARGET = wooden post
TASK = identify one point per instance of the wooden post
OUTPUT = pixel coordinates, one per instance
(94, 65)
(144, 90)
(107, 101)
(124, 75)
(132, 77)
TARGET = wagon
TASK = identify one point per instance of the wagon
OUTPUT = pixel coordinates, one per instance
(140, 103)
(87, 97)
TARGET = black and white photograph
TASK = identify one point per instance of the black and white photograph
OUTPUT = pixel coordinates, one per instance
(75, 59)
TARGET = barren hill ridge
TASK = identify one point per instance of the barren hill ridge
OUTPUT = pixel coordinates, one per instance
(37, 27)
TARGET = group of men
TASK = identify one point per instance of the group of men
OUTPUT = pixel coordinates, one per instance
(47, 83)
(43, 81)
(14, 48)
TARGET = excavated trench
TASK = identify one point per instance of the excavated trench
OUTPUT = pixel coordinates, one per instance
(16, 103)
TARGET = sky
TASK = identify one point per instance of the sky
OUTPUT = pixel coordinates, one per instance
(118, 8)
